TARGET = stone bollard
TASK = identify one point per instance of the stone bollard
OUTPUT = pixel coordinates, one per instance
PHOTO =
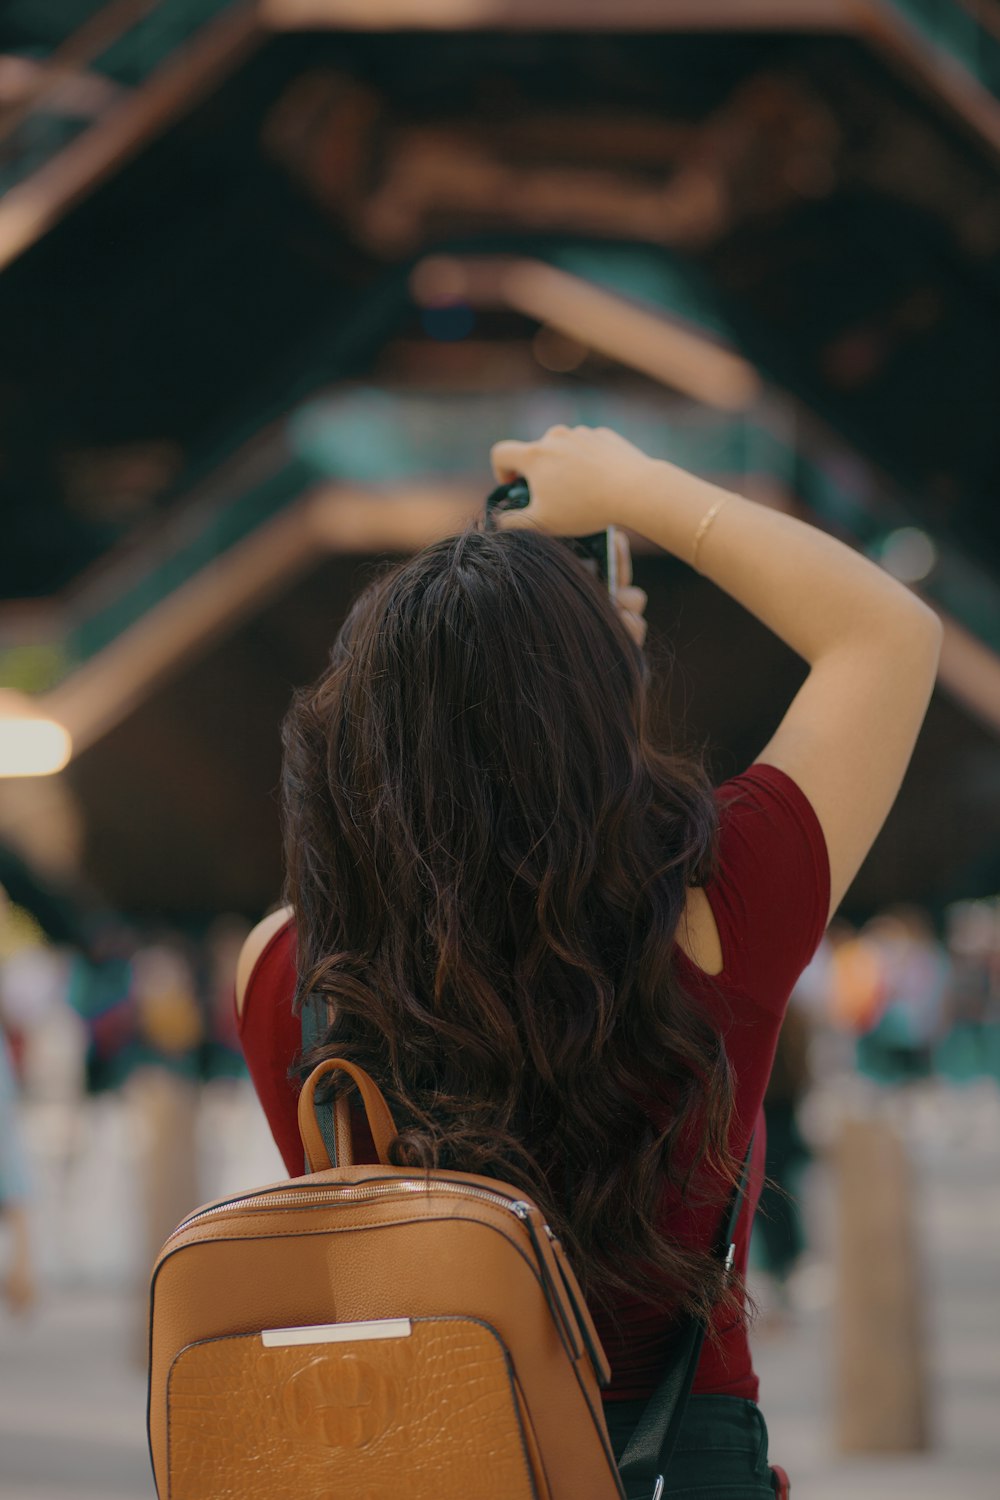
(881, 1376)
(165, 1108)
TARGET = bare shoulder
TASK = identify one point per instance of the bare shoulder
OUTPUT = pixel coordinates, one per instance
(697, 933)
(256, 941)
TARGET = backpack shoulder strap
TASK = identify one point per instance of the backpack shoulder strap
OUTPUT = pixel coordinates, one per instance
(313, 1032)
(648, 1450)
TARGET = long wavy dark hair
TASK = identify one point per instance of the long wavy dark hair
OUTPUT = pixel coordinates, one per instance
(488, 857)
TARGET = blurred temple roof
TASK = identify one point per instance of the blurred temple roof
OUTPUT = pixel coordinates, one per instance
(273, 276)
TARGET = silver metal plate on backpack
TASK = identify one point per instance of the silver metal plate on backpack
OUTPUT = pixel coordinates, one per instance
(336, 1333)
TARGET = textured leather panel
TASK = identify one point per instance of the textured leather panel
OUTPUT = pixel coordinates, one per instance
(433, 1416)
(267, 1273)
(285, 1261)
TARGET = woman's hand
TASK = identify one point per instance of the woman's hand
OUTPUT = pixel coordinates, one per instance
(578, 478)
(631, 601)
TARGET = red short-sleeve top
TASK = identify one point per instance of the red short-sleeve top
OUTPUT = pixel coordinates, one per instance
(770, 899)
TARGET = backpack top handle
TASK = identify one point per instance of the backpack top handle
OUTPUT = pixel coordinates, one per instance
(380, 1121)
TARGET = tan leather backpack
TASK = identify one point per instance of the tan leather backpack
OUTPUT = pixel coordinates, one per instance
(373, 1333)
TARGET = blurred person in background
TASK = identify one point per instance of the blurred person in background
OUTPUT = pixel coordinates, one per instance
(562, 954)
(779, 1231)
(17, 1277)
(914, 975)
(219, 957)
(856, 981)
(970, 1047)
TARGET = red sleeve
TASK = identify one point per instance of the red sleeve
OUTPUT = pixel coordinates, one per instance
(771, 895)
(270, 1036)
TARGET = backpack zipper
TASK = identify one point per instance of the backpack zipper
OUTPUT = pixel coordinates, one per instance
(357, 1194)
(374, 1190)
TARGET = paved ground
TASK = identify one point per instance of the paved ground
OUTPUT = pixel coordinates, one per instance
(72, 1411)
(954, 1144)
(72, 1417)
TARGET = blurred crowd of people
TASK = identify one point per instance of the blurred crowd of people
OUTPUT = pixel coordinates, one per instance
(915, 1007)
(909, 1003)
(78, 1022)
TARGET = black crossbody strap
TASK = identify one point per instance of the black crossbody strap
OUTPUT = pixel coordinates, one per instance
(648, 1450)
(313, 1032)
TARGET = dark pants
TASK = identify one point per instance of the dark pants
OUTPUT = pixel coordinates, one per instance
(721, 1453)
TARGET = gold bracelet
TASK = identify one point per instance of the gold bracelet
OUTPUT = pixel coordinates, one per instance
(704, 524)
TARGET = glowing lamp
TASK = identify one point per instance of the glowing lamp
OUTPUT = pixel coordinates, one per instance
(909, 554)
(30, 743)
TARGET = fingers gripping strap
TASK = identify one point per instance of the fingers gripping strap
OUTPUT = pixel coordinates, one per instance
(380, 1121)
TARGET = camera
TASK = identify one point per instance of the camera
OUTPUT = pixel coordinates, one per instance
(597, 550)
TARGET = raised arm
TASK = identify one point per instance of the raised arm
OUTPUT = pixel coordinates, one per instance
(872, 646)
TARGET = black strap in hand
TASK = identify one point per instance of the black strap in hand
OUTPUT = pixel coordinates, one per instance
(647, 1453)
